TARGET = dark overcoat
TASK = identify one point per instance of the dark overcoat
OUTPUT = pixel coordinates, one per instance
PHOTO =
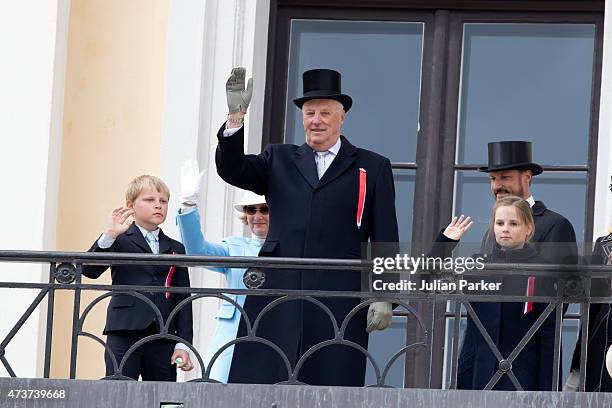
(600, 325)
(126, 312)
(309, 218)
(507, 325)
(554, 240)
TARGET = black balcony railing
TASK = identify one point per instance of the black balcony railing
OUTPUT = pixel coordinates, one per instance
(573, 285)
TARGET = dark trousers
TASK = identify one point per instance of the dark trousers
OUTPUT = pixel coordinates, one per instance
(150, 360)
(600, 338)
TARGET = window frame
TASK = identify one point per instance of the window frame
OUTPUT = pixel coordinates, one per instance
(436, 143)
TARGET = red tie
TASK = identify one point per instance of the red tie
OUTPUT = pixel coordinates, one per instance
(169, 277)
(530, 291)
(362, 194)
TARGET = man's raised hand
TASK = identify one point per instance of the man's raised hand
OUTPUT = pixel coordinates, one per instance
(238, 98)
(119, 221)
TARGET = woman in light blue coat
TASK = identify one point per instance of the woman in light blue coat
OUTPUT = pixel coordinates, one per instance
(254, 213)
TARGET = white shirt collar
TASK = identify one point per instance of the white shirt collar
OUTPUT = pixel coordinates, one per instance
(530, 200)
(257, 240)
(145, 231)
(335, 148)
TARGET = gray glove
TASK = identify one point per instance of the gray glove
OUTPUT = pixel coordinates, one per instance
(238, 98)
(573, 380)
(379, 316)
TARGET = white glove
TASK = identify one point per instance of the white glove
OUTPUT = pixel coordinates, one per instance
(379, 316)
(191, 180)
(573, 381)
(238, 98)
(609, 359)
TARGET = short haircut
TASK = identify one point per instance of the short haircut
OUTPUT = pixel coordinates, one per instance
(338, 104)
(523, 211)
(136, 186)
(521, 171)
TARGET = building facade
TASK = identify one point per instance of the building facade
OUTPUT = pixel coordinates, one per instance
(97, 92)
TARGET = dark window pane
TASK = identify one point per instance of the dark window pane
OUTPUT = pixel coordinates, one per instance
(526, 82)
(404, 202)
(380, 63)
(383, 345)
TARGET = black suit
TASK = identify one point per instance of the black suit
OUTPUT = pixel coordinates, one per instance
(555, 241)
(128, 318)
(309, 218)
(600, 325)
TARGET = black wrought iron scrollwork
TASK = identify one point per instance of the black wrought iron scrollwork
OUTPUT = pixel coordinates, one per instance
(254, 278)
(505, 366)
(573, 287)
(65, 273)
(449, 281)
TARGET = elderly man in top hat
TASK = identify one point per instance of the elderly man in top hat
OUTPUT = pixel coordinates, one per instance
(325, 198)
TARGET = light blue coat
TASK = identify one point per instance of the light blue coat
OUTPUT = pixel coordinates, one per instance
(228, 317)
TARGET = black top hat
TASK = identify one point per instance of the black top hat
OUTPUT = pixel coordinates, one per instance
(515, 155)
(323, 84)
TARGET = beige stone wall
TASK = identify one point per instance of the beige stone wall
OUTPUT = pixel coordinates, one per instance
(111, 133)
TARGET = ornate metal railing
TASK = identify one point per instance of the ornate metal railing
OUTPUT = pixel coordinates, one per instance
(572, 282)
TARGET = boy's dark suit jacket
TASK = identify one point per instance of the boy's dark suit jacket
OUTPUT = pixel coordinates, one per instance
(126, 312)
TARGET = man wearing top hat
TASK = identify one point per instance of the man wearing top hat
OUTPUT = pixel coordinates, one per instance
(325, 198)
(511, 169)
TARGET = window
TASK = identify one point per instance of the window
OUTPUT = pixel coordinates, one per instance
(431, 87)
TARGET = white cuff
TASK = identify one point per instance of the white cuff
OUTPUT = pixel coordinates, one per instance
(105, 241)
(228, 132)
(191, 199)
(187, 210)
(181, 346)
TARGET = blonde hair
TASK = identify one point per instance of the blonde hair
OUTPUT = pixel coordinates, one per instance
(136, 186)
(523, 211)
